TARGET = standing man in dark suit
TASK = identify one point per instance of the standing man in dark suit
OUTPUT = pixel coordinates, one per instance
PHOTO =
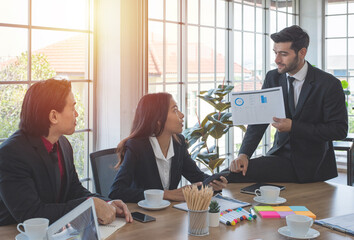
(37, 172)
(316, 115)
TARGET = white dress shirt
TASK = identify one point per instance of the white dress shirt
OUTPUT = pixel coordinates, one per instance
(299, 81)
(163, 163)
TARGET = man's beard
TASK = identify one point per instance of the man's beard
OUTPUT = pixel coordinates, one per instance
(291, 67)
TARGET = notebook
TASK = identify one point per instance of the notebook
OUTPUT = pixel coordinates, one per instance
(224, 202)
(344, 223)
(81, 223)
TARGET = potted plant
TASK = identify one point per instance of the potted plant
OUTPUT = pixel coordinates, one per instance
(345, 86)
(215, 124)
(214, 214)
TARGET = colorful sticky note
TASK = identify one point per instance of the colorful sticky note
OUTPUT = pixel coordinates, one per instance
(263, 208)
(269, 214)
(282, 209)
(283, 214)
(298, 208)
(306, 213)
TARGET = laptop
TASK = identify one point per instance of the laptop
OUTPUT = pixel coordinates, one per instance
(81, 223)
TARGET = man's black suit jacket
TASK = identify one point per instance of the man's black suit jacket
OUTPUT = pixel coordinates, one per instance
(320, 117)
(139, 170)
(27, 181)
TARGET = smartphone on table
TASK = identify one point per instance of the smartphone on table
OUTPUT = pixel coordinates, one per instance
(141, 217)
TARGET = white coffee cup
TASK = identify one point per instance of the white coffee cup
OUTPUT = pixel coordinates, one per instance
(35, 228)
(153, 197)
(298, 225)
(268, 193)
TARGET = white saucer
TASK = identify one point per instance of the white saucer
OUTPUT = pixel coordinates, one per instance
(311, 234)
(21, 236)
(163, 205)
(279, 200)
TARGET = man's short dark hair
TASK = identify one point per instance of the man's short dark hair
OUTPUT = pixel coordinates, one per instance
(294, 34)
(40, 99)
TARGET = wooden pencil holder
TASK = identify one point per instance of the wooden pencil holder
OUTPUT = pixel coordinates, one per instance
(198, 223)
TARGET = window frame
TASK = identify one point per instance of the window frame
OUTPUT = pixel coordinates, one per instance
(182, 74)
(88, 81)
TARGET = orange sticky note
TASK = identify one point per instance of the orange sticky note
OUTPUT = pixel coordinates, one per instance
(282, 209)
(306, 213)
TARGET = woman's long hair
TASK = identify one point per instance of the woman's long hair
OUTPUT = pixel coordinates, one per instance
(149, 120)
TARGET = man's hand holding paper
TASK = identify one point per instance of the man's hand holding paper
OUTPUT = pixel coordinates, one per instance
(282, 124)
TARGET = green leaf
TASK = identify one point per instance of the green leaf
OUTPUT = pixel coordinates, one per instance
(206, 157)
(217, 131)
(211, 149)
(209, 99)
(206, 119)
(198, 146)
(243, 128)
(193, 134)
(206, 165)
(224, 117)
(345, 84)
(222, 106)
(222, 90)
(346, 92)
(216, 162)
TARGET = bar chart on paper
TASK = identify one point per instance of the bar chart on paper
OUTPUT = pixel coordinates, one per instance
(257, 107)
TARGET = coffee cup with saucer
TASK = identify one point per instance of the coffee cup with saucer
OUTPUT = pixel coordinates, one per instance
(153, 200)
(33, 229)
(298, 227)
(268, 195)
(21, 236)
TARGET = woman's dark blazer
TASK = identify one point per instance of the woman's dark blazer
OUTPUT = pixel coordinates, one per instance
(139, 171)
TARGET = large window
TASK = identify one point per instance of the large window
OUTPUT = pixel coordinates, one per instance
(339, 42)
(42, 39)
(196, 45)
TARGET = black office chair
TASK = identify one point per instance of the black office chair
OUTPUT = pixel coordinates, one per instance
(102, 163)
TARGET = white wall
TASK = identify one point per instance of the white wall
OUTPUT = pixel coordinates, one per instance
(311, 21)
(107, 85)
(117, 84)
(131, 61)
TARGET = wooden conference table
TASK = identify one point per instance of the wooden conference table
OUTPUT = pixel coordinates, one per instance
(323, 199)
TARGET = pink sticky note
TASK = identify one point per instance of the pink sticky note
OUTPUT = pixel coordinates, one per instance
(269, 214)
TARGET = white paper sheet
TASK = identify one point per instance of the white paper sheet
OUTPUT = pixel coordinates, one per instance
(344, 223)
(257, 107)
(109, 229)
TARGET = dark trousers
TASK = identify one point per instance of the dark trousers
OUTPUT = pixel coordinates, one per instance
(273, 168)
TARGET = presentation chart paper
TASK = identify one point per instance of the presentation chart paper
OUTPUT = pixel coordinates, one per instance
(257, 107)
